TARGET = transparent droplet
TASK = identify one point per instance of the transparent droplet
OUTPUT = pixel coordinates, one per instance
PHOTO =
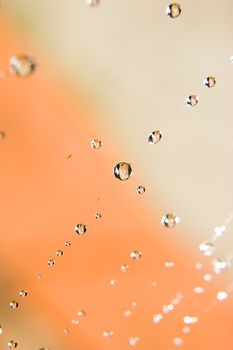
(192, 100)
(199, 266)
(51, 262)
(66, 331)
(39, 276)
(112, 282)
(108, 334)
(80, 229)
(219, 265)
(23, 293)
(169, 264)
(170, 220)
(98, 216)
(67, 244)
(81, 313)
(127, 313)
(219, 230)
(93, 3)
(157, 318)
(207, 277)
(155, 137)
(133, 341)
(59, 252)
(167, 308)
(140, 190)
(124, 268)
(222, 296)
(186, 330)
(173, 10)
(122, 171)
(210, 82)
(13, 304)
(178, 341)
(75, 322)
(207, 248)
(96, 144)
(2, 135)
(12, 344)
(136, 254)
(134, 304)
(199, 290)
(190, 319)
(0, 329)
(22, 65)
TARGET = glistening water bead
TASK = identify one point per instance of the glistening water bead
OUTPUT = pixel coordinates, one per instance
(51, 262)
(207, 248)
(210, 82)
(154, 137)
(13, 304)
(12, 344)
(80, 229)
(59, 252)
(93, 3)
(96, 144)
(170, 220)
(140, 190)
(22, 65)
(122, 171)
(23, 293)
(173, 10)
(192, 100)
(136, 254)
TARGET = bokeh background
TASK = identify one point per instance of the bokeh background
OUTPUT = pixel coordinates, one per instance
(115, 72)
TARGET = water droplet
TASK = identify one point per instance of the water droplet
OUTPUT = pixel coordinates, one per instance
(207, 277)
(66, 331)
(98, 216)
(51, 262)
(75, 322)
(2, 135)
(210, 82)
(22, 65)
(122, 171)
(133, 341)
(12, 344)
(219, 265)
(96, 144)
(170, 220)
(190, 319)
(192, 100)
(167, 308)
(207, 248)
(23, 293)
(178, 341)
(108, 334)
(154, 137)
(140, 190)
(186, 330)
(80, 229)
(199, 266)
(199, 290)
(67, 244)
(127, 313)
(219, 230)
(13, 304)
(59, 252)
(173, 10)
(222, 296)
(112, 282)
(0, 329)
(44, 349)
(124, 268)
(136, 254)
(169, 264)
(157, 318)
(134, 304)
(93, 3)
(39, 276)
(81, 313)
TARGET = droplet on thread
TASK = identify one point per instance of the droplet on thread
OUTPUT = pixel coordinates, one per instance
(170, 220)
(22, 65)
(122, 171)
(80, 229)
(154, 137)
(192, 100)
(51, 262)
(59, 252)
(140, 190)
(13, 304)
(136, 254)
(96, 144)
(23, 293)
(210, 82)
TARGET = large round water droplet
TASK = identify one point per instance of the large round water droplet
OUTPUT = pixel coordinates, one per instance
(173, 10)
(170, 220)
(13, 304)
(12, 344)
(122, 171)
(192, 100)
(80, 229)
(155, 137)
(210, 82)
(22, 65)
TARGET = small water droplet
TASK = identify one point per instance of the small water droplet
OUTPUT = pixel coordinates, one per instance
(133, 341)
(98, 216)
(75, 322)
(134, 304)
(59, 252)
(124, 268)
(67, 244)
(219, 230)
(80, 229)
(108, 334)
(12, 344)
(122, 171)
(186, 330)
(154, 137)
(23, 293)
(51, 262)
(219, 265)
(173, 10)
(207, 277)
(66, 331)
(93, 3)
(192, 100)
(22, 65)
(0, 329)
(210, 82)
(157, 318)
(2, 135)
(13, 304)
(178, 341)
(190, 319)
(81, 313)
(39, 275)
(113, 282)
(96, 144)
(127, 313)
(167, 308)
(169, 264)
(199, 290)
(199, 266)
(136, 254)
(170, 220)
(207, 248)
(222, 296)
(140, 190)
